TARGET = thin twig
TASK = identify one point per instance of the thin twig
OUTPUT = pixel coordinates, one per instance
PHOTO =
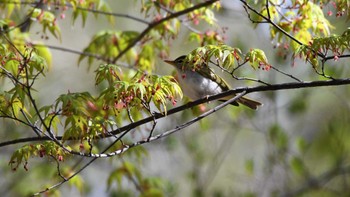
(13, 79)
(184, 22)
(29, 123)
(112, 14)
(286, 74)
(129, 114)
(250, 79)
(336, 56)
(64, 49)
(267, 9)
(67, 50)
(239, 66)
(58, 168)
(280, 12)
(152, 129)
(239, 78)
(148, 109)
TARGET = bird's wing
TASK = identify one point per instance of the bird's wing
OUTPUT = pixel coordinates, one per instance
(209, 73)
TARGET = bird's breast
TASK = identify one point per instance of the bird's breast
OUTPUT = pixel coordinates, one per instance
(196, 86)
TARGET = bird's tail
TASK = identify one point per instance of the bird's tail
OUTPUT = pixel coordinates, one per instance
(252, 104)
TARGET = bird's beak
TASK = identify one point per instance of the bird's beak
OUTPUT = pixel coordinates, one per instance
(171, 62)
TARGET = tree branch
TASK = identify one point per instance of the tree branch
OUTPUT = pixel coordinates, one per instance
(25, 23)
(268, 20)
(156, 23)
(275, 87)
(81, 169)
(79, 8)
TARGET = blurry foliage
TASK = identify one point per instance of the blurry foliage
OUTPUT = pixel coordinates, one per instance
(109, 44)
(125, 64)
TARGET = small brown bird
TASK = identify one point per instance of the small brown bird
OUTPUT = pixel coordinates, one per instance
(204, 82)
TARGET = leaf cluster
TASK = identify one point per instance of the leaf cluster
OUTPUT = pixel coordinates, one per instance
(226, 57)
(45, 149)
(334, 44)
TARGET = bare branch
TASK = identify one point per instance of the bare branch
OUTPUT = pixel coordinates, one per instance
(336, 56)
(58, 167)
(250, 79)
(286, 74)
(73, 51)
(267, 9)
(29, 123)
(112, 14)
(156, 23)
(274, 87)
(184, 22)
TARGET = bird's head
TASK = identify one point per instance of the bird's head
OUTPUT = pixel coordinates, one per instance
(179, 63)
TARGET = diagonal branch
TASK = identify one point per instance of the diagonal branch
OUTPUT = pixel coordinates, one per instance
(268, 20)
(38, 4)
(157, 137)
(271, 22)
(24, 24)
(274, 87)
(78, 52)
(156, 23)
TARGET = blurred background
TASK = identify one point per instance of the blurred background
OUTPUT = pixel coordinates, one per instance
(294, 145)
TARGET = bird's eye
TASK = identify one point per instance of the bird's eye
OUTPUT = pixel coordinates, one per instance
(180, 60)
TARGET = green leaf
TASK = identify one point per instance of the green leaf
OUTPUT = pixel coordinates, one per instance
(153, 192)
(22, 155)
(45, 53)
(108, 45)
(127, 170)
(115, 176)
(301, 144)
(78, 182)
(48, 21)
(256, 58)
(17, 106)
(12, 66)
(194, 37)
(249, 166)
(37, 63)
(107, 72)
(303, 36)
(52, 121)
(297, 165)
(278, 137)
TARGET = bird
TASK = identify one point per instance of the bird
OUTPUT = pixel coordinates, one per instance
(203, 82)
